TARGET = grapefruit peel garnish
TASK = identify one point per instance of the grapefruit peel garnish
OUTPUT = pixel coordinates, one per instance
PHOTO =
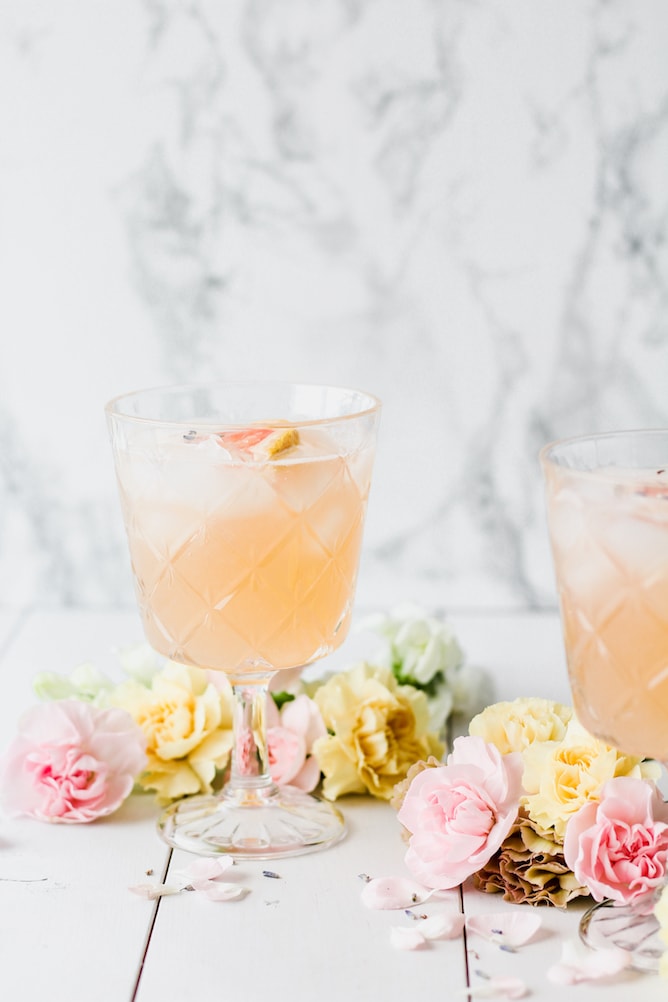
(259, 443)
(280, 441)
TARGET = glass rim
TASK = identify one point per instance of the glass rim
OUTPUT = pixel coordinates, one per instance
(547, 454)
(372, 403)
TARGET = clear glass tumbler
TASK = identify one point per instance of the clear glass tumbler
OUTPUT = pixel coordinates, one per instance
(244, 506)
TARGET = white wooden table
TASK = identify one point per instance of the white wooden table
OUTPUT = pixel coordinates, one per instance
(71, 930)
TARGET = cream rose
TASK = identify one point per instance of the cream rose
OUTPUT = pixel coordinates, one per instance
(377, 730)
(514, 726)
(560, 777)
(187, 723)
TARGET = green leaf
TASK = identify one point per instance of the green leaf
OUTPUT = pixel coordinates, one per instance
(281, 698)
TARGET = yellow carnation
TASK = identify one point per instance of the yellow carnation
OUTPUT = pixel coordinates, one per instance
(514, 726)
(561, 776)
(188, 727)
(377, 730)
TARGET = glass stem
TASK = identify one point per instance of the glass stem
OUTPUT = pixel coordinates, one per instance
(250, 755)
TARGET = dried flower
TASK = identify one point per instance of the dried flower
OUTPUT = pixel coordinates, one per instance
(530, 868)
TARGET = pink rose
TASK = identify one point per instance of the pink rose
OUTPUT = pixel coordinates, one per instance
(71, 762)
(618, 846)
(290, 737)
(460, 813)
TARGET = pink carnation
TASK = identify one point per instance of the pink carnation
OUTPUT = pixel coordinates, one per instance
(460, 813)
(71, 762)
(290, 737)
(618, 846)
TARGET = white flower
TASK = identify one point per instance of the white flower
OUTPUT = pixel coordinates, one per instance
(84, 683)
(420, 646)
(423, 651)
(139, 662)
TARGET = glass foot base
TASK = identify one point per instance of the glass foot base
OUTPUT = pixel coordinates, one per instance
(607, 925)
(252, 824)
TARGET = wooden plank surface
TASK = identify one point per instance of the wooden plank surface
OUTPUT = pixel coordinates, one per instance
(71, 930)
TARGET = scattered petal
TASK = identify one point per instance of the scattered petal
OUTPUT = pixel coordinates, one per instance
(406, 938)
(394, 892)
(442, 926)
(509, 988)
(153, 891)
(505, 929)
(578, 963)
(201, 872)
(218, 890)
(200, 875)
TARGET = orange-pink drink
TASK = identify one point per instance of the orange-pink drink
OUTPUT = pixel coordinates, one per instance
(609, 533)
(245, 544)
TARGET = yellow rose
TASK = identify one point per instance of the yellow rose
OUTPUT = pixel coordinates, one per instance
(377, 731)
(561, 776)
(513, 726)
(188, 727)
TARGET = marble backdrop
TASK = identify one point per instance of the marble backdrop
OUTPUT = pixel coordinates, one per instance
(459, 205)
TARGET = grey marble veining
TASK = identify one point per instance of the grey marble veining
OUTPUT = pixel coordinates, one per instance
(462, 207)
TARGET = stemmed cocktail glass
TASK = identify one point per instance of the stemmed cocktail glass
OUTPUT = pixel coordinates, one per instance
(244, 506)
(607, 506)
